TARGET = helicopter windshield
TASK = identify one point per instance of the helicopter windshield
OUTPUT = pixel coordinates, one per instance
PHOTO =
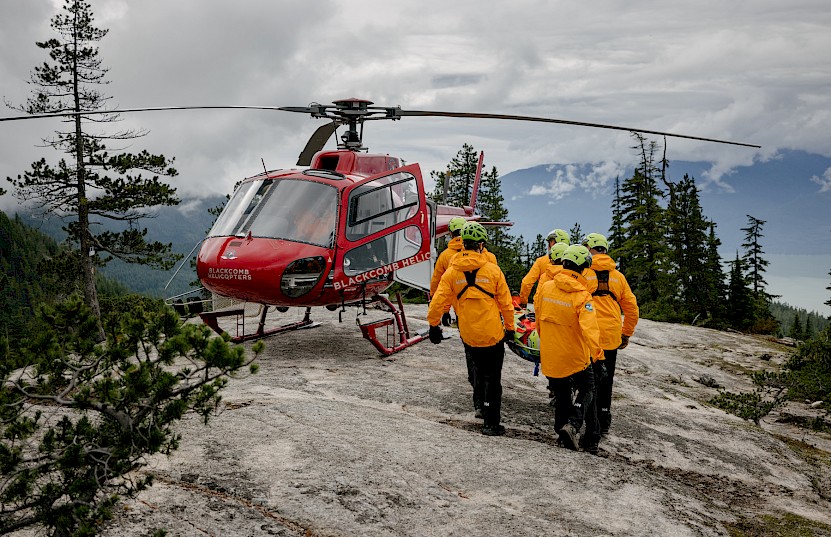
(302, 211)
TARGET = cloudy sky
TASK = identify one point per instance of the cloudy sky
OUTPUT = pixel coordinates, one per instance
(752, 71)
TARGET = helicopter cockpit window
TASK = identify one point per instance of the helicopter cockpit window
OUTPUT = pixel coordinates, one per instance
(302, 211)
(239, 208)
(380, 204)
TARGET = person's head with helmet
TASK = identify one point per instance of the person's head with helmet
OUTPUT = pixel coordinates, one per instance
(556, 236)
(474, 236)
(596, 243)
(556, 253)
(455, 225)
(577, 258)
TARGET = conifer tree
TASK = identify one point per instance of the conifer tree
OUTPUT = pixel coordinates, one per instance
(739, 296)
(755, 265)
(575, 234)
(714, 288)
(643, 251)
(809, 328)
(491, 205)
(459, 177)
(796, 328)
(687, 240)
(93, 183)
(616, 231)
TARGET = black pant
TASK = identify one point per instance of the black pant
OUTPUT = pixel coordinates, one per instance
(604, 390)
(582, 408)
(484, 372)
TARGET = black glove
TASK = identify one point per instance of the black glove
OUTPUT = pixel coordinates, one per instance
(509, 336)
(446, 319)
(624, 341)
(436, 334)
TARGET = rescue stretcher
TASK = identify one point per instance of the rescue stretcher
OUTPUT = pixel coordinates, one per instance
(526, 343)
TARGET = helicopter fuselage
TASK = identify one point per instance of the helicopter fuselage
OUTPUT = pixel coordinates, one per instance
(332, 234)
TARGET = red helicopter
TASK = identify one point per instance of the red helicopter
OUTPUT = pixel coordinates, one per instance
(337, 233)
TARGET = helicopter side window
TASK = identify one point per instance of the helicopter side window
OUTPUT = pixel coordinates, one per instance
(380, 204)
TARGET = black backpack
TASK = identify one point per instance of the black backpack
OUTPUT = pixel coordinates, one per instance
(603, 285)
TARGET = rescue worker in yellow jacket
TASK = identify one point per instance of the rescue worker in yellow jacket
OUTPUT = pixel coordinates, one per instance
(455, 246)
(555, 255)
(612, 295)
(477, 290)
(554, 236)
(569, 344)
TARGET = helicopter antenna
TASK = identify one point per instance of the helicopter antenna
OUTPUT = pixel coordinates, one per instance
(264, 168)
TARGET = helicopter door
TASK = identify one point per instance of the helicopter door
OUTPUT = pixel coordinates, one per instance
(419, 275)
(386, 228)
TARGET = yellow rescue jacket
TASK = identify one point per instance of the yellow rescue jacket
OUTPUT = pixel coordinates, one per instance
(533, 275)
(610, 303)
(550, 271)
(478, 309)
(567, 326)
(453, 247)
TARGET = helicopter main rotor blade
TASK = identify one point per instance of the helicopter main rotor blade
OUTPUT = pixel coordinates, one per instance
(430, 113)
(316, 143)
(153, 109)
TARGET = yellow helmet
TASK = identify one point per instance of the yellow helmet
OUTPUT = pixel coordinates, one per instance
(456, 223)
(595, 240)
(556, 251)
(579, 255)
(558, 235)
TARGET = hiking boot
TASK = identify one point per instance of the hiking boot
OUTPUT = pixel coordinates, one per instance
(604, 429)
(568, 436)
(479, 413)
(592, 447)
(493, 430)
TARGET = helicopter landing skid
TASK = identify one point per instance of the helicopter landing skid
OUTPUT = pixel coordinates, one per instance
(211, 319)
(394, 327)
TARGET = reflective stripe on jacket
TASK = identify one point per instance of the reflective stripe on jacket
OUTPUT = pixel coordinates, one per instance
(443, 261)
(480, 324)
(567, 326)
(609, 318)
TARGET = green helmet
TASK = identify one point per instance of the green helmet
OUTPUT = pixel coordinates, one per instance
(558, 235)
(556, 251)
(595, 240)
(474, 231)
(456, 223)
(579, 255)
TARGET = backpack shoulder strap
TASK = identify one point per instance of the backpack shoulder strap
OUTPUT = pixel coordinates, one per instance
(470, 280)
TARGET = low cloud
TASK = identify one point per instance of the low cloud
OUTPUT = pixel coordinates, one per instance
(824, 182)
(591, 178)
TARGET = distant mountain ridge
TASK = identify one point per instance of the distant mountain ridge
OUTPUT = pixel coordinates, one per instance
(779, 191)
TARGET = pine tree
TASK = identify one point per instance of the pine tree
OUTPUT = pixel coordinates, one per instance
(687, 240)
(93, 183)
(714, 288)
(796, 331)
(643, 251)
(491, 205)
(739, 296)
(460, 175)
(755, 265)
(616, 231)
(575, 234)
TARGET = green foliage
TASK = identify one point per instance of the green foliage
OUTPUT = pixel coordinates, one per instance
(806, 376)
(93, 184)
(84, 415)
